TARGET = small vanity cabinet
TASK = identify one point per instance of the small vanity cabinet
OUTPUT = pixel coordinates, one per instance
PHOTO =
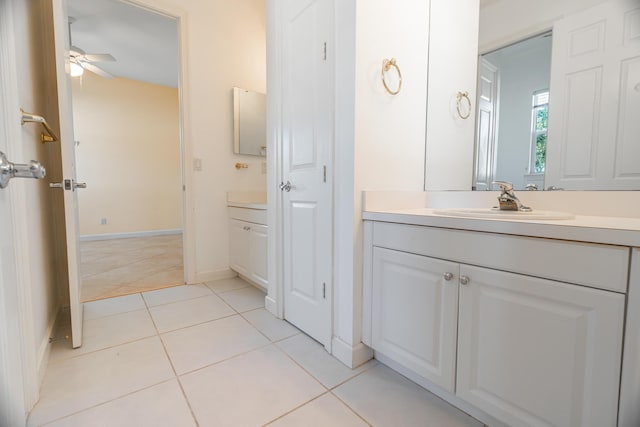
(248, 244)
(527, 330)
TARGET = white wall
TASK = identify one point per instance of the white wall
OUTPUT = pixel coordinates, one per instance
(521, 74)
(506, 21)
(128, 154)
(380, 138)
(225, 43)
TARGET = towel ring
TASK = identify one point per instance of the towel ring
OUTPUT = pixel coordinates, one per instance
(386, 66)
(461, 96)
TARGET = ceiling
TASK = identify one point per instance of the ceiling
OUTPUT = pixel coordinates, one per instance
(145, 44)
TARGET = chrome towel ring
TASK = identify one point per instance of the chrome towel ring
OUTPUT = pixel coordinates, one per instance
(387, 64)
(461, 96)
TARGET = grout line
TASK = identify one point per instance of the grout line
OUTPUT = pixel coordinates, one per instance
(179, 300)
(350, 408)
(177, 378)
(296, 408)
(105, 402)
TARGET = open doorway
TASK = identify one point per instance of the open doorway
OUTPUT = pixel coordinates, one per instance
(128, 148)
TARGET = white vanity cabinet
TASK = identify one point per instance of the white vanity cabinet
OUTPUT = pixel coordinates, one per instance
(248, 244)
(526, 350)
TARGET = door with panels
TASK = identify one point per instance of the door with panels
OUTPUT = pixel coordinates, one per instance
(415, 313)
(307, 144)
(595, 99)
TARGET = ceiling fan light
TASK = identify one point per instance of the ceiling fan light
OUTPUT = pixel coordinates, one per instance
(75, 69)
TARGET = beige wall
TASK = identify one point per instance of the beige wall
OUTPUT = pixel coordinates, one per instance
(128, 154)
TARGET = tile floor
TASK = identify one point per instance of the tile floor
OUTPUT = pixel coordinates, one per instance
(211, 355)
(117, 267)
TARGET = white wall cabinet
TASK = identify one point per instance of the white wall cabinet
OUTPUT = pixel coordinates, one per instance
(525, 350)
(248, 245)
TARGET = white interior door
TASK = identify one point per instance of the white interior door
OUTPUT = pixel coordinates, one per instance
(306, 155)
(486, 127)
(595, 99)
(67, 150)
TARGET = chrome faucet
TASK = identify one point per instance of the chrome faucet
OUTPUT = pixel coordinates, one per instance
(508, 199)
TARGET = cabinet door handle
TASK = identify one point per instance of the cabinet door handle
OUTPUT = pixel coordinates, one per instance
(448, 276)
(464, 280)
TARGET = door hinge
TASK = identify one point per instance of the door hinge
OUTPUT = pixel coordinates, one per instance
(325, 51)
(324, 174)
(324, 290)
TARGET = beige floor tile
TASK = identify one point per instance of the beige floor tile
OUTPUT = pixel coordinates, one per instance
(201, 345)
(105, 332)
(175, 294)
(82, 382)
(162, 405)
(274, 328)
(111, 306)
(228, 284)
(385, 398)
(245, 299)
(326, 410)
(249, 390)
(318, 362)
(176, 315)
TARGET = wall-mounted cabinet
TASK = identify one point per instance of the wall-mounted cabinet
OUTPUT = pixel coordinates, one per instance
(525, 350)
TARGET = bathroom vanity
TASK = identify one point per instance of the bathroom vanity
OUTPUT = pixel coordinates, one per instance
(248, 236)
(523, 320)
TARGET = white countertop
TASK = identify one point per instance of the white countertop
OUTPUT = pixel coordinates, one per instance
(247, 199)
(607, 230)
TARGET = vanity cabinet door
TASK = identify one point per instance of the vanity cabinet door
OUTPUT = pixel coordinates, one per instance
(239, 247)
(258, 247)
(534, 352)
(414, 313)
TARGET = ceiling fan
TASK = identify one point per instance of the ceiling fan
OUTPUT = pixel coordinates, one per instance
(81, 61)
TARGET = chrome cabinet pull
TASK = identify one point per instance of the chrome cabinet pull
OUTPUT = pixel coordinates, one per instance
(9, 170)
(464, 280)
(448, 276)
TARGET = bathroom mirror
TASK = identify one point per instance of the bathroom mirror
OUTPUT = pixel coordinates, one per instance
(515, 107)
(249, 122)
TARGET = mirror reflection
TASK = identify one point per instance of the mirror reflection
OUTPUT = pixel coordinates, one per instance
(556, 107)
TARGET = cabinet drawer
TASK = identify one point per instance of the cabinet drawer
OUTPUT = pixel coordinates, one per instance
(595, 265)
(257, 216)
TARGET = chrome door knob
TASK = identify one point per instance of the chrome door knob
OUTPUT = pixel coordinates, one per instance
(286, 186)
(464, 280)
(79, 185)
(448, 276)
(9, 170)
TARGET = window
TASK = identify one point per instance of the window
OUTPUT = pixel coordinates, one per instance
(539, 131)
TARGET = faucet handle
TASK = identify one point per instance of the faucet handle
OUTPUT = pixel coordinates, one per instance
(505, 186)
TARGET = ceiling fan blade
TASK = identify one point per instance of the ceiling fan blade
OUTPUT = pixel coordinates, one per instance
(99, 71)
(98, 57)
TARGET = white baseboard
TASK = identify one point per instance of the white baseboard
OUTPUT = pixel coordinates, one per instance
(210, 276)
(44, 349)
(109, 236)
(352, 356)
(271, 305)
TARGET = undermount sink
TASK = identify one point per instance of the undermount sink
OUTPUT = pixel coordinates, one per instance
(494, 213)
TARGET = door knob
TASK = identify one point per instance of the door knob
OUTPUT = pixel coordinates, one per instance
(10, 170)
(286, 187)
(79, 185)
(68, 184)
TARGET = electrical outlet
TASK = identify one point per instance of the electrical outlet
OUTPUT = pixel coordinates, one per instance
(103, 221)
(197, 165)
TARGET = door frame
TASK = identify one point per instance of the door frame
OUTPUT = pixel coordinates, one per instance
(184, 113)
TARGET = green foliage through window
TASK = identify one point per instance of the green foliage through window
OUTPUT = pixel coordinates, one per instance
(540, 118)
